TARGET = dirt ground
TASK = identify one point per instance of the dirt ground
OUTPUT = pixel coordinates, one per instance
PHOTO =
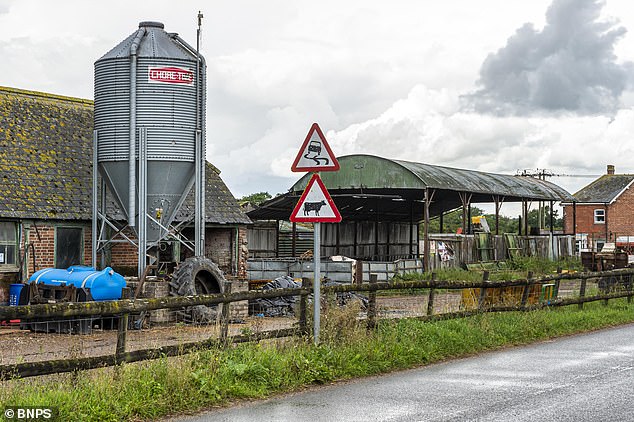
(18, 345)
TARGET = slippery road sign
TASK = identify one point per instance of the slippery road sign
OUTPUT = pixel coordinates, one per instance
(315, 153)
(315, 205)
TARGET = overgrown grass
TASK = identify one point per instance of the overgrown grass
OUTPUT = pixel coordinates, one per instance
(207, 378)
(518, 268)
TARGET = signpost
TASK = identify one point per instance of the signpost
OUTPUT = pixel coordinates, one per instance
(315, 205)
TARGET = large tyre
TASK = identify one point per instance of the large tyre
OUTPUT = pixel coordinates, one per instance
(197, 276)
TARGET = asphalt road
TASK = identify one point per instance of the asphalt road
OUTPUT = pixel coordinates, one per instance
(583, 378)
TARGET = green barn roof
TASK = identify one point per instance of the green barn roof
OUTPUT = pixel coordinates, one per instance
(367, 185)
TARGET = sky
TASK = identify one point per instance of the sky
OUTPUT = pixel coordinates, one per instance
(492, 85)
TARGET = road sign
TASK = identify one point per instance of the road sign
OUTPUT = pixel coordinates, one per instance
(315, 205)
(315, 153)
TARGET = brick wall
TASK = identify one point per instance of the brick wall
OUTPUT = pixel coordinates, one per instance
(619, 218)
(43, 241)
(621, 215)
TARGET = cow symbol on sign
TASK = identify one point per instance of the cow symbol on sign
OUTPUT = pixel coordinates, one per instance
(313, 206)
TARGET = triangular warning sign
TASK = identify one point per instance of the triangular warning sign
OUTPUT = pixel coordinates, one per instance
(315, 153)
(315, 204)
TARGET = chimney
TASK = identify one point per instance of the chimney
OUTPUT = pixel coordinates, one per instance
(610, 169)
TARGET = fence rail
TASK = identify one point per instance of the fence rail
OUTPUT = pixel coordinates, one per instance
(123, 308)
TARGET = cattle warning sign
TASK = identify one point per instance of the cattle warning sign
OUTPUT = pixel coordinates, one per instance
(315, 205)
(315, 153)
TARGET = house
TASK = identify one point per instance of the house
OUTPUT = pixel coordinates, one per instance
(46, 191)
(603, 211)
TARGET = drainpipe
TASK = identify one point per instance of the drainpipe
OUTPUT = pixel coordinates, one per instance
(132, 155)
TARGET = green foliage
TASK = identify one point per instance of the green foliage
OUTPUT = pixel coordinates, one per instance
(211, 377)
(452, 221)
(255, 198)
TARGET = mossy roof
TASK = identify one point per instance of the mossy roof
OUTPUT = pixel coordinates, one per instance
(46, 161)
(605, 189)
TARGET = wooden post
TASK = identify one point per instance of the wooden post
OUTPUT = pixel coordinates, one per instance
(582, 290)
(629, 289)
(372, 304)
(527, 289)
(483, 290)
(430, 301)
(556, 293)
(303, 300)
(122, 335)
(224, 320)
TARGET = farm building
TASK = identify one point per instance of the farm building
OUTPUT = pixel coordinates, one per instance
(602, 212)
(46, 182)
(383, 203)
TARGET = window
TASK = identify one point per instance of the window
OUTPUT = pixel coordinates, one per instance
(599, 216)
(69, 243)
(8, 242)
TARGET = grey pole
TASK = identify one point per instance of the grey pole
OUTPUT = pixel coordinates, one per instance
(316, 281)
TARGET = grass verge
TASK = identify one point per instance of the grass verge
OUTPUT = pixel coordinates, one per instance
(207, 378)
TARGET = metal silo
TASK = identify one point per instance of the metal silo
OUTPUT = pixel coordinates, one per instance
(149, 133)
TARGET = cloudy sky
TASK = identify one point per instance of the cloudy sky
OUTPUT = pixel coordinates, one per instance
(491, 85)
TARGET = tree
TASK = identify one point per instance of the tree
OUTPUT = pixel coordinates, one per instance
(255, 198)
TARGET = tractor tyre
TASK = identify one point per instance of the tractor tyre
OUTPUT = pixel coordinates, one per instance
(197, 276)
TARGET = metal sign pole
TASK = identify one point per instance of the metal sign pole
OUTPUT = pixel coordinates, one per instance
(316, 281)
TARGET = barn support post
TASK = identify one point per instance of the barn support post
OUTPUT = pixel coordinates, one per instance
(411, 228)
(293, 240)
(277, 239)
(417, 239)
(469, 225)
(429, 196)
(387, 247)
(441, 222)
(376, 232)
(465, 199)
(552, 218)
(498, 200)
(355, 239)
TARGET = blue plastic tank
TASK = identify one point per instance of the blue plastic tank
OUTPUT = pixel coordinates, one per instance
(102, 285)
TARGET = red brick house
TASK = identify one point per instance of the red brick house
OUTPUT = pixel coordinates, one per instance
(604, 211)
(46, 193)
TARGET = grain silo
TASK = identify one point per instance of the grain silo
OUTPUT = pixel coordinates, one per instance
(149, 134)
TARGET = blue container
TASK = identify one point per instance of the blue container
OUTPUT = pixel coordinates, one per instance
(102, 285)
(14, 294)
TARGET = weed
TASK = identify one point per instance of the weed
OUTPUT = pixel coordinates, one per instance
(210, 377)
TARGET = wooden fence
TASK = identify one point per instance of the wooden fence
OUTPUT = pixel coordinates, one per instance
(124, 308)
(466, 249)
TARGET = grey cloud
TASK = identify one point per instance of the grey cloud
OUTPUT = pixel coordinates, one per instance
(569, 65)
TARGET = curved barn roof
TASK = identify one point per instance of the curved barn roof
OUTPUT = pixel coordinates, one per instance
(372, 172)
(368, 185)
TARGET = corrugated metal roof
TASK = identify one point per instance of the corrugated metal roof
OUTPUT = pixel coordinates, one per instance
(373, 172)
(605, 189)
(368, 187)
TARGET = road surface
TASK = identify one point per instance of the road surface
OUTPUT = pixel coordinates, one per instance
(588, 377)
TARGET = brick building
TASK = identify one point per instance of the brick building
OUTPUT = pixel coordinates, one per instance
(45, 186)
(604, 211)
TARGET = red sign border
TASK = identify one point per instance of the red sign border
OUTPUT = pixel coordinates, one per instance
(335, 164)
(191, 82)
(297, 219)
